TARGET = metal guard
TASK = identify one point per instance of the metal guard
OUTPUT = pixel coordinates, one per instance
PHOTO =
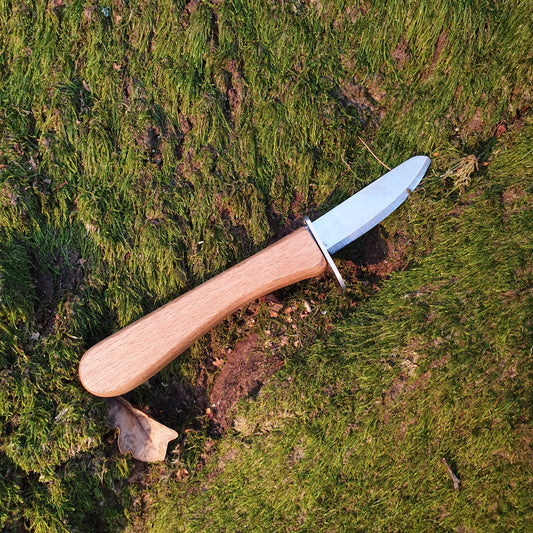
(325, 252)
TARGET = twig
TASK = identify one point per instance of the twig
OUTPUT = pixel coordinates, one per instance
(377, 158)
(455, 479)
(59, 186)
(344, 161)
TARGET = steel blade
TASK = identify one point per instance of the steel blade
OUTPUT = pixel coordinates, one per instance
(368, 207)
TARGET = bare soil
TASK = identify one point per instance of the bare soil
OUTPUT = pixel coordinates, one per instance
(375, 257)
(53, 277)
(243, 374)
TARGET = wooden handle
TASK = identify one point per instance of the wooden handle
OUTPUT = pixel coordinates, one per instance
(132, 355)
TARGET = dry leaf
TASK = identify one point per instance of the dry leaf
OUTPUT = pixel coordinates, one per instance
(144, 437)
(218, 362)
(182, 474)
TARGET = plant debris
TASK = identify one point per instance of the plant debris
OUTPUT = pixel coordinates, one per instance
(461, 173)
(144, 437)
(455, 479)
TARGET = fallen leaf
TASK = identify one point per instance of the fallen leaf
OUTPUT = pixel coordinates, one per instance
(500, 129)
(218, 362)
(182, 474)
(271, 299)
(144, 437)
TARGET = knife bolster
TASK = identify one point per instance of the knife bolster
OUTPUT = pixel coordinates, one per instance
(325, 253)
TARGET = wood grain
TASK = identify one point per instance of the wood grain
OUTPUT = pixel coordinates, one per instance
(129, 357)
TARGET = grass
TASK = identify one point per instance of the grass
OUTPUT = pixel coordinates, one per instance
(146, 146)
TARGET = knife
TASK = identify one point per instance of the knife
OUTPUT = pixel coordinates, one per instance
(135, 353)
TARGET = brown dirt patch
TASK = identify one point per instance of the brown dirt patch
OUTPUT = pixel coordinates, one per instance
(243, 374)
(410, 379)
(476, 123)
(515, 200)
(52, 278)
(439, 47)
(401, 54)
(355, 96)
(376, 255)
(235, 90)
(150, 142)
(224, 377)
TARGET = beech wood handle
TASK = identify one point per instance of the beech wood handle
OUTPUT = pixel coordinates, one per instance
(130, 356)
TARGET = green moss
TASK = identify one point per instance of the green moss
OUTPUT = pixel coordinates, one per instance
(145, 147)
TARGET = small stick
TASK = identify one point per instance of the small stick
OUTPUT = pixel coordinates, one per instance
(455, 479)
(368, 148)
(59, 186)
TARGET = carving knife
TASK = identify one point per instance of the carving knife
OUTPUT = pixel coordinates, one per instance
(135, 353)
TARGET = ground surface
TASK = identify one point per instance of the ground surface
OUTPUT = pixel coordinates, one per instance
(147, 146)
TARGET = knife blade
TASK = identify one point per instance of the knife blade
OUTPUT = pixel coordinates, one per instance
(367, 208)
(135, 353)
